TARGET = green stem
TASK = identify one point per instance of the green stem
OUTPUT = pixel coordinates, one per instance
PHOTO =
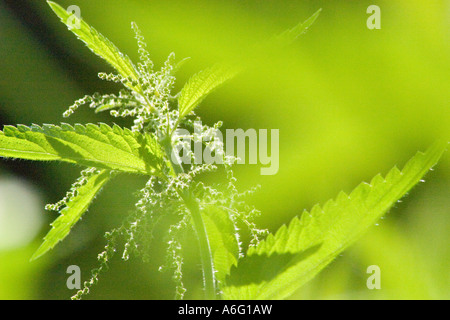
(205, 249)
(209, 279)
(168, 149)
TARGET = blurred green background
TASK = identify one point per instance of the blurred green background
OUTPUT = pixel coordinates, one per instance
(349, 103)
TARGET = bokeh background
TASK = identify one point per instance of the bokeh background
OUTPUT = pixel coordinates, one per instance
(349, 103)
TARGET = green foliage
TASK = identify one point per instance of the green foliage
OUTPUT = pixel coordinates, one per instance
(75, 206)
(272, 268)
(202, 84)
(284, 261)
(92, 145)
(97, 43)
(206, 81)
(291, 35)
(223, 239)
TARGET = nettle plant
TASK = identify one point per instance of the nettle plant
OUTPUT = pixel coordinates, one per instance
(271, 265)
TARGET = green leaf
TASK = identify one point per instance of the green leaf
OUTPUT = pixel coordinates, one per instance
(223, 240)
(291, 35)
(97, 43)
(283, 262)
(206, 81)
(202, 84)
(91, 145)
(73, 212)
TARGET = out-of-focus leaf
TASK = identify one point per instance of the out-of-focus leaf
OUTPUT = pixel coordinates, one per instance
(206, 81)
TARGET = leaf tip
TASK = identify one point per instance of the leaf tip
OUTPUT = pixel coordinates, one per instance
(53, 5)
(39, 253)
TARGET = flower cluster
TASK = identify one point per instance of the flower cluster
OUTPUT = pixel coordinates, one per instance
(149, 101)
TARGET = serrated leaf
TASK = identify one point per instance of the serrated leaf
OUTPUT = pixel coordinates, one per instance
(72, 212)
(206, 81)
(291, 35)
(202, 84)
(223, 241)
(97, 43)
(91, 145)
(283, 262)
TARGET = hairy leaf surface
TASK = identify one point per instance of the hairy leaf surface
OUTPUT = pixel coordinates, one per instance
(97, 43)
(202, 84)
(223, 240)
(91, 145)
(283, 262)
(72, 212)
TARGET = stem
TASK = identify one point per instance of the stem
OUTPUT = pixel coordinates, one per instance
(205, 249)
(168, 149)
(209, 280)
